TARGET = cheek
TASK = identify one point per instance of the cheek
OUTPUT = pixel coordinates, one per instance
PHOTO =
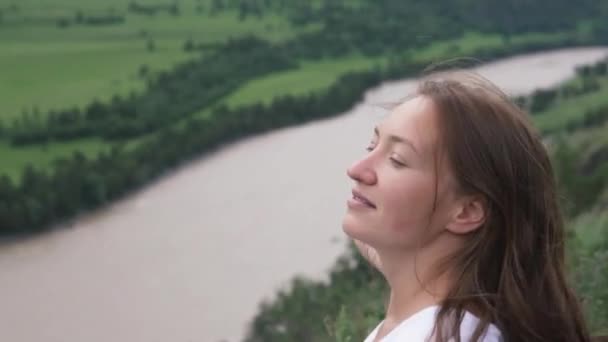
(408, 204)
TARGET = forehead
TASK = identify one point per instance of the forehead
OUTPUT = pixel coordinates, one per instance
(415, 120)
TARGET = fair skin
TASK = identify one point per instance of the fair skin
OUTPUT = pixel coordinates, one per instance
(396, 226)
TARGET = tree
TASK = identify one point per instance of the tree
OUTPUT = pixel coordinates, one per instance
(216, 6)
(174, 9)
(189, 45)
(150, 45)
(79, 17)
(63, 22)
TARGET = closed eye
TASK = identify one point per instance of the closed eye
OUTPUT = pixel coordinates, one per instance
(394, 161)
(397, 163)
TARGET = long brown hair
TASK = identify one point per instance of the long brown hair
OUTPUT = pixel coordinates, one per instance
(511, 271)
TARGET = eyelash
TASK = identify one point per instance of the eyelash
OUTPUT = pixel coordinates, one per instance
(394, 161)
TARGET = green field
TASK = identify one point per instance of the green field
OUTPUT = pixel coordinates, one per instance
(589, 227)
(464, 45)
(60, 75)
(309, 77)
(596, 135)
(47, 67)
(473, 41)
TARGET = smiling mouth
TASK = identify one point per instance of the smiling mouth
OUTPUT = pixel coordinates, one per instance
(359, 199)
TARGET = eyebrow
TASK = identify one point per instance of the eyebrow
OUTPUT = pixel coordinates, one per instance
(398, 139)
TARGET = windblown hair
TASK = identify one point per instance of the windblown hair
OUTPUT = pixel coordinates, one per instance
(511, 271)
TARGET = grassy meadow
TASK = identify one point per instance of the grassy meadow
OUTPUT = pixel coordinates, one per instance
(50, 67)
(310, 77)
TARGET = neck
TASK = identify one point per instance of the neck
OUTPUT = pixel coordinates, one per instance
(413, 279)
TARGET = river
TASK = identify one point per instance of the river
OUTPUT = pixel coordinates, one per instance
(190, 257)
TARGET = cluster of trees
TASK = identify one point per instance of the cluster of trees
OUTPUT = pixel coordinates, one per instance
(153, 9)
(73, 185)
(376, 27)
(591, 118)
(582, 179)
(11, 9)
(542, 99)
(587, 81)
(190, 45)
(80, 18)
(348, 305)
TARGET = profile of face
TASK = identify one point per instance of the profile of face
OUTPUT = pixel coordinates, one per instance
(403, 194)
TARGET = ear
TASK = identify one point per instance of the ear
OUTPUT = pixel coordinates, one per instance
(469, 214)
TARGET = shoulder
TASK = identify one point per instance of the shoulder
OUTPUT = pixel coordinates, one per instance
(469, 324)
(419, 328)
(414, 329)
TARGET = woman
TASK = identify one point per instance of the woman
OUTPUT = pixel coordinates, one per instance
(455, 204)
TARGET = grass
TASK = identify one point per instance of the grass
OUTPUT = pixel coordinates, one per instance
(589, 227)
(60, 75)
(471, 42)
(309, 77)
(589, 139)
(462, 46)
(48, 67)
(14, 159)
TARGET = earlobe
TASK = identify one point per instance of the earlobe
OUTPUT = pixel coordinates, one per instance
(469, 216)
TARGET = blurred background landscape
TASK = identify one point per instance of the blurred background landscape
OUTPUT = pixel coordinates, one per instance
(132, 208)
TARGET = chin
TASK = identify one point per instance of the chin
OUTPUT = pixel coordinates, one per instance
(354, 229)
(348, 226)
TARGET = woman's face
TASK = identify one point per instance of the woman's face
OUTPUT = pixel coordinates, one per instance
(395, 182)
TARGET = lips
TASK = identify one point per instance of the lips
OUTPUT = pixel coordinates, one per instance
(358, 197)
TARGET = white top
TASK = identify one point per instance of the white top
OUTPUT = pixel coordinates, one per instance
(419, 327)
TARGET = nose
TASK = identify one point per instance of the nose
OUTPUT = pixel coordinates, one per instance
(362, 171)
